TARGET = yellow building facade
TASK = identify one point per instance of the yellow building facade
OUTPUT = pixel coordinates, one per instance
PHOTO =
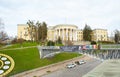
(99, 35)
(22, 31)
(79, 35)
(65, 32)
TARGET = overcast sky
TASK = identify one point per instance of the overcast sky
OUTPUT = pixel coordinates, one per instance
(96, 13)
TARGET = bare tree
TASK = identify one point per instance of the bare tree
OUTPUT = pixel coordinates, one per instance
(117, 36)
(3, 34)
(1, 24)
(37, 31)
(31, 29)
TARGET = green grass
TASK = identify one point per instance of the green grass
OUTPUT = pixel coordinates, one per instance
(1, 45)
(27, 59)
(110, 46)
(24, 44)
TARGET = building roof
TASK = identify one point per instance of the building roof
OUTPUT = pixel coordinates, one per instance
(65, 25)
(22, 24)
(50, 27)
(99, 29)
(80, 29)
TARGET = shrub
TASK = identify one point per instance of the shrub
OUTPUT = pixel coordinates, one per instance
(105, 42)
(15, 40)
(93, 42)
(50, 43)
(59, 44)
(48, 71)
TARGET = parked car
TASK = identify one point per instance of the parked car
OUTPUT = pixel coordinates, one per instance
(82, 62)
(71, 65)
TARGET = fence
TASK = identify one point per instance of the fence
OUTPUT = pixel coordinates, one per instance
(102, 52)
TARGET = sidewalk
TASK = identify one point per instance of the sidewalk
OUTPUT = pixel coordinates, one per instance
(18, 48)
(50, 68)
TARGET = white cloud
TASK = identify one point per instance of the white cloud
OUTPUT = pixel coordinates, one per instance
(96, 13)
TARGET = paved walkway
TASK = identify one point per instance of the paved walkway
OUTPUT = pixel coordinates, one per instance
(110, 68)
(50, 68)
(18, 48)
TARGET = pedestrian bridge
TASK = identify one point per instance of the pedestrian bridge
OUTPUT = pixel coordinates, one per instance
(102, 52)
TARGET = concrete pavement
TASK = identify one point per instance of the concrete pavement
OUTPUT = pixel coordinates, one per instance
(77, 71)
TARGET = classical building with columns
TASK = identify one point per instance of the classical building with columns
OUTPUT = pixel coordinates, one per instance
(65, 32)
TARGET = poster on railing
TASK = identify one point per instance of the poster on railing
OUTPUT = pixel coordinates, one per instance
(69, 48)
(80, 48)
(87, 47)
(94, 46)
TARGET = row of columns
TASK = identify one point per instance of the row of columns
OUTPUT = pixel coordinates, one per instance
(65, 34)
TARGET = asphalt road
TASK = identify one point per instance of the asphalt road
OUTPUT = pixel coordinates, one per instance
(77, 71)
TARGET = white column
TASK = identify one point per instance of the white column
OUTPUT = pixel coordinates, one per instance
(63, 33)
(66, 34)
(54, 35)
(59, 32)
(76, 35)
(71, 34)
